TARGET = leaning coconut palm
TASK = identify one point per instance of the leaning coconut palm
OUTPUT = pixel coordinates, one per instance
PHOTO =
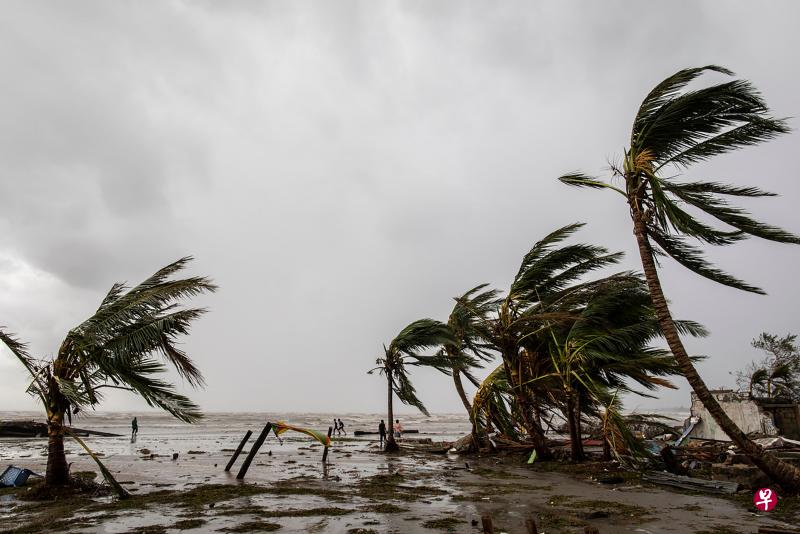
(469, 351)
(118, 347)
(676, 128)
(401, 353)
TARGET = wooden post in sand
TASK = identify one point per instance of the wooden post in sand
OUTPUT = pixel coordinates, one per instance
(253, 451)
(325, 450)
(530, 526)
(486, 521)
(238, 450)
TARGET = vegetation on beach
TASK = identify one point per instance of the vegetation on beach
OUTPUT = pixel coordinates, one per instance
(118, 347)
(675, 128)
(570, 345)
(566, 345)
(777, 375)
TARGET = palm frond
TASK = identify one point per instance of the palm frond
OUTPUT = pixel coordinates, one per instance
(137, 376)
(420, 335)
(692, 258)
(663, 93)
(20, 351)
(733, 216)
(406, 392)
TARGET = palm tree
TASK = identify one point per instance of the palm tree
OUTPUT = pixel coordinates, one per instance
(469, 351)
(606, 347)
(118, 347)
(677, 128)
(544, 290)
(402, 352)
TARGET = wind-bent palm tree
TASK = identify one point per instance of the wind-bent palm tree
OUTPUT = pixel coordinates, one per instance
(677, 128)
(469, 351)
(402, 352)
(544, 290)
(605, 347)
(118, 347)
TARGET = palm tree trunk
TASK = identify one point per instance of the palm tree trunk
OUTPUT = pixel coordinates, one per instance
(57, 468)
(576, 447)
(460, 389)
(534, 431)
(606, 449)
(391, 444)
(578, 431)
(787, 475)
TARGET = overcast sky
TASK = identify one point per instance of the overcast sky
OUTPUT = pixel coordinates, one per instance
(343, 168)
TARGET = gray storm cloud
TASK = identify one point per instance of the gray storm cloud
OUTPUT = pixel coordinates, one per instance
(341, 169)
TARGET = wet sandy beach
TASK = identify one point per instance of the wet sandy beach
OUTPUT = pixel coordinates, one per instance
(362, 490)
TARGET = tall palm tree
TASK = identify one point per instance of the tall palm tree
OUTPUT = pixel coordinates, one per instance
(403, 352)
(118, 347)
(675, 128)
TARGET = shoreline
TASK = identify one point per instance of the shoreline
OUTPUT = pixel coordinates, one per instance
(365, 491)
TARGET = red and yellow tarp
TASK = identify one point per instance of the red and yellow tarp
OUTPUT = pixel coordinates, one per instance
(280, 427)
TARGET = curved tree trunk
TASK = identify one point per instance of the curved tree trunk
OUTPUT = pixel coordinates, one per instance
(460, 389)
(787, 475)
(57, 468)
(391, 444)
(476, 442)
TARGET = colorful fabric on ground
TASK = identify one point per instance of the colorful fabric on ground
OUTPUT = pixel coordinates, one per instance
(281, 427)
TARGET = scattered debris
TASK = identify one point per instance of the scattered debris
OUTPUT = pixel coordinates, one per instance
(15, 477)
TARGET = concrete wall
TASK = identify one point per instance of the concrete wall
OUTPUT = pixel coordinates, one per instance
(743, 411)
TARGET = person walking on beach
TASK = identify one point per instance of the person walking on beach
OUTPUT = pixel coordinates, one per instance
(382, 432)
(335, 427)
(398, 429)
(134, 430)
(341, 427)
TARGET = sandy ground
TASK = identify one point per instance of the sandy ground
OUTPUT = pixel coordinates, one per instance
(364, 491)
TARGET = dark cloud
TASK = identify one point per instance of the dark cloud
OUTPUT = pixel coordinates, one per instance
(343, 170)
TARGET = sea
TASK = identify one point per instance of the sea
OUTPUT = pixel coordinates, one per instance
(225, 430)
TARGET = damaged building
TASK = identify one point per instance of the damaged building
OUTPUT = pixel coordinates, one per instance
(765, 417)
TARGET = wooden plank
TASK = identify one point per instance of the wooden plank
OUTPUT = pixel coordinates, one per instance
(253, 451)
(238, 450)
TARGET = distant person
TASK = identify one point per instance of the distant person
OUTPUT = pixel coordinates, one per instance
(398, 429)
(335, 427)
(341, 427)
(134, 430)
(382, 431)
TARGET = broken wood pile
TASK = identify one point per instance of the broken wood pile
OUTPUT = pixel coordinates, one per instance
(702, 451)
